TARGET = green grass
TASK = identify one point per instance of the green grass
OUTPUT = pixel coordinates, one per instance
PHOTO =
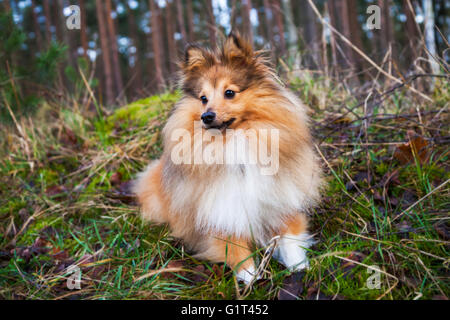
(64, 201)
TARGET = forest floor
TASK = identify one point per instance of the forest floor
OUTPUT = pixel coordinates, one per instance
(65, 201)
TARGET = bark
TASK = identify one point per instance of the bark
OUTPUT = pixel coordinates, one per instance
(190, 20)
(211, 24)
(233, 14)
(180, 20)
(292, 36)
(37, 29)
(355, 33)
(106, 59)
(156, 44)
(83, 31)
(136, 68)
(170, 36)
(247, 24)
(278, 17)
(6, 5)
(386, 34)
(268, 13)
(48, 23)
(114, 48)
(429, 35)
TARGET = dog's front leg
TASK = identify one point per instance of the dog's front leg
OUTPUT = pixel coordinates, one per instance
(293, 244)
(234, 252)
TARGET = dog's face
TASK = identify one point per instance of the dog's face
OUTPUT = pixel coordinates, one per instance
(224, 82)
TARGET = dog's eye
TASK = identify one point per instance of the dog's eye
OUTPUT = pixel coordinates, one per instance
(204, 99)
(230, 94)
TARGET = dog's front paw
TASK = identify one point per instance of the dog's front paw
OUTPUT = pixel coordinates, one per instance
(247, 275)
(291, 251)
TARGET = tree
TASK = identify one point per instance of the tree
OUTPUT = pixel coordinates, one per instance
(386, 33)
(190, 19)
(429, 35)
(278, 16)
(37, 28)
(291, 30)
(48, 23)
(106, 59)
(310, 32)
(170, 36)
(113, 47)
(247, 24)
(83, 31)
(211, 23)
(156, 43)
(135, 72)
(180, 20)
(268, 13)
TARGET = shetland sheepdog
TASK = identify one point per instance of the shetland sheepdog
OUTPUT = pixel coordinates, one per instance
(216, 185)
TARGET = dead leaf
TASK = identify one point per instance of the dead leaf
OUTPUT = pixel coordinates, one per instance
(417, 147)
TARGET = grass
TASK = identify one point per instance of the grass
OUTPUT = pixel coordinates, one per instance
(65, 200)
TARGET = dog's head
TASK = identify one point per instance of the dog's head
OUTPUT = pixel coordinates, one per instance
(225, 81)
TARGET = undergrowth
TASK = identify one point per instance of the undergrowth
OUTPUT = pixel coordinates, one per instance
(65, 200)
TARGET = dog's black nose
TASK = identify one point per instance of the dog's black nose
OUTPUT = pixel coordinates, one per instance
(208, 117)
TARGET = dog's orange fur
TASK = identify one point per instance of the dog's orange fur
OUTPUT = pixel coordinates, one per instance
(260, 103)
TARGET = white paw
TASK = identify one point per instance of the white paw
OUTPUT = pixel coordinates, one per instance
(291, 251)
(247, 275)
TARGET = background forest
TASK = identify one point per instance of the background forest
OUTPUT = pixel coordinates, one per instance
(129, 49)
(81, 110)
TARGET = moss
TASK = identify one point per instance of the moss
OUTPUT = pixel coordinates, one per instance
(140, 112)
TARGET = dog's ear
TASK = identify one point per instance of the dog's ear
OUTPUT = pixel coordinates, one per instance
(237, 47)
(195, 57)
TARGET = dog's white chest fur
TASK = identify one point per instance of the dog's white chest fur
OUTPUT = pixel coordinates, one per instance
(243, 202)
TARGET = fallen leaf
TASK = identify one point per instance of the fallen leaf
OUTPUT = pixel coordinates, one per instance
(417, 147)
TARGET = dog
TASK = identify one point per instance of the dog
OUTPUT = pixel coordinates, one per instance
(222, 209)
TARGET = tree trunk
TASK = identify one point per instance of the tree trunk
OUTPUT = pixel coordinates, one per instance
(114, 49)
(278, 16)
(106, 59)
(135, 67)
(6, 5)
(311, 34)
(233, 14)
(247, 24)
(190, 20)
(156, 43)
(292, 36)
(268, 13)
(386, 34)
(429, 35)
(180, 20)
(48, 23)
(170, 36)
(83, 31)
(211, 23)
(37, 29)
(355, 34)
